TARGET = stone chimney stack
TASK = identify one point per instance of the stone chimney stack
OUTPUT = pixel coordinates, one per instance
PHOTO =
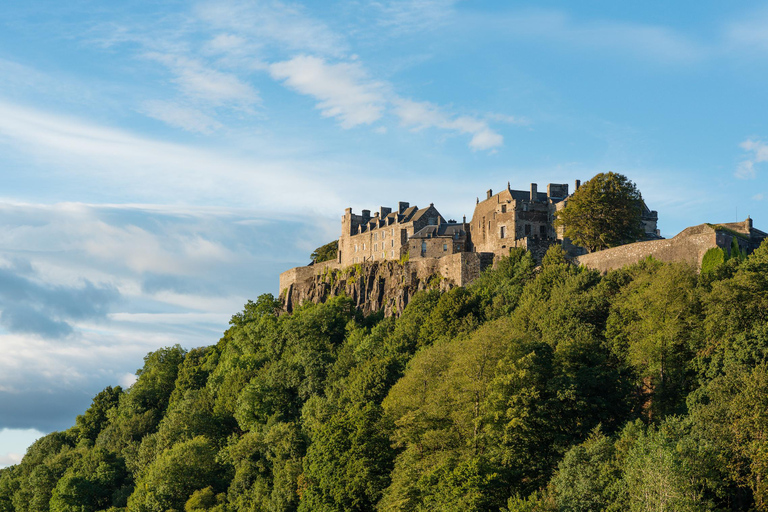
(489, 193)
(366, 215)
(578, 184)
(384, 211)
(534, 192)
(402, 206)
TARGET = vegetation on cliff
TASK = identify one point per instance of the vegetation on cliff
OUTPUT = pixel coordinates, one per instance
(532, 389)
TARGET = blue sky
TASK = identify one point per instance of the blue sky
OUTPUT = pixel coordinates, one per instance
(161, 162)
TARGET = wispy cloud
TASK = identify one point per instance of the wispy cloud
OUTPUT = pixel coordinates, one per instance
(748, 34)
(757, 152)
(31, 306)
(147, 170)
(645, 41)
(414, 15)
(344, 90)
(420, 115)
(283, 26)
(200, 82)
(186, 118)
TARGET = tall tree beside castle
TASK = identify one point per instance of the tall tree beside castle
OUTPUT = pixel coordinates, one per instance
(604, 212)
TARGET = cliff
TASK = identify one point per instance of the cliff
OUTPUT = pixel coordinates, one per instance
(379, 285)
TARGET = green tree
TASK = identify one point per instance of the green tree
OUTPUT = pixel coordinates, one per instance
(170, 481)
(604, 212)
(326, 252)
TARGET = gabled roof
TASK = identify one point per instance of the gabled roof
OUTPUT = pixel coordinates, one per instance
(443, 229)
(408, 213)
(421, 213)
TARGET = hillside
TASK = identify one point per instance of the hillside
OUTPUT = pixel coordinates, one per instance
(551, 388)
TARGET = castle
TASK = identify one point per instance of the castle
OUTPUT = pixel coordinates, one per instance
(510, 218)
(385, 258)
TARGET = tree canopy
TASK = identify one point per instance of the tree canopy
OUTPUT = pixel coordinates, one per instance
(326, 252)
(604, 212)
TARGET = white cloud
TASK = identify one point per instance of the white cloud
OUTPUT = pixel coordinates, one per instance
(748, 34)
(757, 153)
(127, 380)
(757, 197)
(344, 90)
(421, 115)
(644, 41)
(415, 15)
(282, 25)
(146, 170)
(182, 117)
(201, 82)
(13, 442)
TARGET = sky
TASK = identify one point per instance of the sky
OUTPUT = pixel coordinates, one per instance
(162, 162)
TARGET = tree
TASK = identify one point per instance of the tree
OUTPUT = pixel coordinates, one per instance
(605, 212)
(326, 252)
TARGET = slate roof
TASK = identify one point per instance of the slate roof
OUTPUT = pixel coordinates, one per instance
(443, 229)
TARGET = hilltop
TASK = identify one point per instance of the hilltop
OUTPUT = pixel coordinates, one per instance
(535, 387)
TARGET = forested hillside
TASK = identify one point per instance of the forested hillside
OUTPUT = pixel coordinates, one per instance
(551, 388)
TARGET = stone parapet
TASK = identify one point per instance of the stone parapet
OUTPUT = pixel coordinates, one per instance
(688, 246)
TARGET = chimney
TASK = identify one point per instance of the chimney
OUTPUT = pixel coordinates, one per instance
(748, 223)
(578, 184)
(402, 206)
(534, 192)
(384, 211)
(489, 193)
(465, 220)
(366, 215)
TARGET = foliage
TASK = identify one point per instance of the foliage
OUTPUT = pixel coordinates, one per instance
(325, 252)
(548, 388)
(604, 212)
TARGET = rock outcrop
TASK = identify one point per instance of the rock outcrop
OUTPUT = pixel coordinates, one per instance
(379, 285)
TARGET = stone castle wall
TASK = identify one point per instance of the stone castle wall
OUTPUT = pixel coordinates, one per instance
(688, 246)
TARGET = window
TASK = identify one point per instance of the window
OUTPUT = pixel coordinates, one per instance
(375, 247)
(355, 247)
(393, 232)
(423, 247)
(363, 246)
(527, 229)
(392, 243)
(383, 235)
(543, 231)
(445, 247)
(503, 208)
(392, 254)
(503, 232)
(383, 255)
(375, 236)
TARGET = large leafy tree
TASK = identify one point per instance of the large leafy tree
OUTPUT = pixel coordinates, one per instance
(325, 252)
(604, 212)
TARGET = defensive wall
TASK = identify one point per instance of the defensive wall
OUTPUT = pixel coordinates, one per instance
(688, 246)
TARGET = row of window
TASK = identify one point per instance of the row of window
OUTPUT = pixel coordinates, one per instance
(384, 234)
(373, 256)
(375, 246)
(424, 247)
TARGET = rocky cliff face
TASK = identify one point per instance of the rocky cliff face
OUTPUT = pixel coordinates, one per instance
(373, 286)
